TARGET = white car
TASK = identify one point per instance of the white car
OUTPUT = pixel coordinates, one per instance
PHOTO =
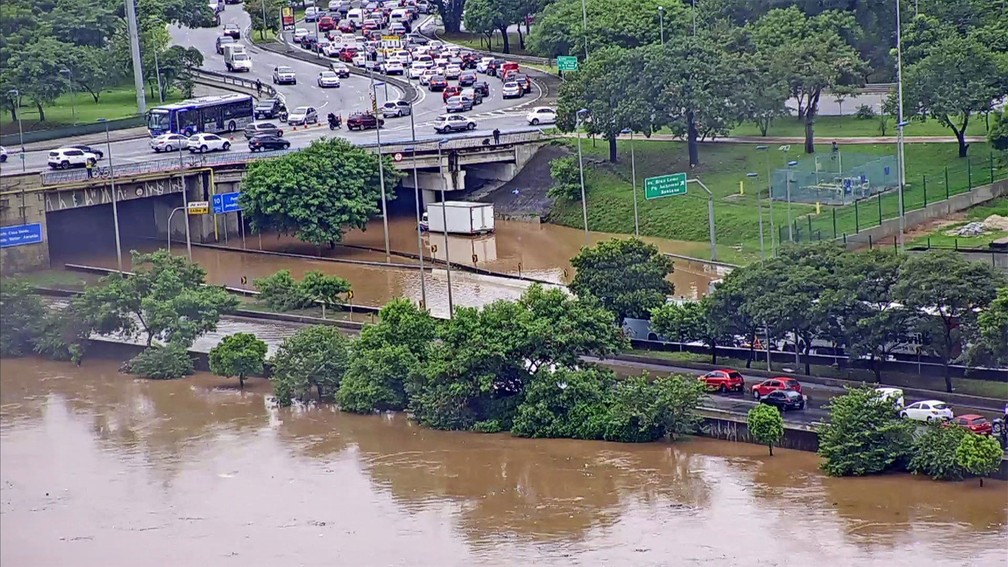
(393, 68)
(169, 142)
(3, 154)
(65, 158)
(895, 395)
(482, 64)
(341, 70)
(453, 123)
(359, 60)
(239, 62)
(284, 75)
(426, 76)
(416, 70)
(541, 115)
(452, 71)
(300, 33)
(328, 79)
(203, 143)
(331, 49)
(512, 90)
(927, 410)
(395, 108)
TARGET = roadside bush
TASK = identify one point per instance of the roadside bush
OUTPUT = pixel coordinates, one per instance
(161, 363)
(566, 179)
(934, 453)
(979, 455)
(312, 357)
(281, 292)
(864, 435)
(21, 312)
(375, 380)
(565, 403)
(865, 112)
(639, 409)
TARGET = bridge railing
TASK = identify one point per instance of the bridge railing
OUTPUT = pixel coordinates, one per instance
(188, 161)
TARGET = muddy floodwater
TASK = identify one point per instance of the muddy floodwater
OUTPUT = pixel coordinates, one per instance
(518, 250)
(99, 469)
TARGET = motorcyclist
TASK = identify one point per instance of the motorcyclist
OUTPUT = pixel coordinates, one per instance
(334, 121)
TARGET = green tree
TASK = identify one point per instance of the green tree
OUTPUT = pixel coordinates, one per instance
(998, 133)
(729, 309)
(606, 88)
(450, 12)
(21, 312)
(386, 358)
(864, 435)
(488, 16)
(766, 425)
(628, 276)
(623, 24)
(317, 193)
(165, 299)
(689, 86)
(565, 404)
(325, 289)
(958, 78)
(161, 362)
(93, 70)
(945, 289)
(240, 354)
(889, 111)
(934, 452)
(810, 54)
(177, 64)
(255, 11)
(312, 357)
(989, 346)
(566, 178)
(693, 321)
(280, 291)
(979, 455)
(761, 93)
(880, 324)
(35, 70)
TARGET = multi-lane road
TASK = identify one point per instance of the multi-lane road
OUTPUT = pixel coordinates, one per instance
(352, 96)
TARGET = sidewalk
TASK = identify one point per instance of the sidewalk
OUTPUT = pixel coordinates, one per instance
(801, 140)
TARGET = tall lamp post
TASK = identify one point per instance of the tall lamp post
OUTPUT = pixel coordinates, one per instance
(661, 23)
(381, 166)
(759, 207)
(444, 221)
(900, 157)
(185, 196)
(15, 97)
(584, 200)
(584, 26)
(790, 225)
(416, 189)
(633, 181)
(769, 184)
(73, 93)
(115, 206)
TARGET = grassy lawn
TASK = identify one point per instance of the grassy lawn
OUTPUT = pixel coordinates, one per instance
(851, 126)
(56, 279)
(939, 239)
(478, 42)
(80, 108)
(985, 388)
(257, 36)
(723, 166)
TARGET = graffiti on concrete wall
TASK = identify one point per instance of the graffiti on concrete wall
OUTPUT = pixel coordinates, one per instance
(92, 196)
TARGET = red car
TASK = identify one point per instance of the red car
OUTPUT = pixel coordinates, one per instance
(976, 423)
(326, 23)
(449, 92)
(774, 384)
(724, 381)
(347, 26)
(364, 121)
(347, 54)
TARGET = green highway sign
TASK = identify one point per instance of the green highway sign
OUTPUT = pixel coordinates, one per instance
(567, 63)
(665, 186)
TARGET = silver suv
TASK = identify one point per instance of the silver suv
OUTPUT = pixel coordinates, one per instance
(453, 123)
(256, 128)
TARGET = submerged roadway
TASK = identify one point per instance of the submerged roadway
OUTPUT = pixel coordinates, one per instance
(352, 96)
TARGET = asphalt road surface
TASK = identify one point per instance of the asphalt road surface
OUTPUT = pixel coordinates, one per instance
(352, 96)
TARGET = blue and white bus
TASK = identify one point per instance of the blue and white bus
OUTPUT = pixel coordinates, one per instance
(218, 113)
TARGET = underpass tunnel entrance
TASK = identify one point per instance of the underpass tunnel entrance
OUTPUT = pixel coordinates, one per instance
(76, 235)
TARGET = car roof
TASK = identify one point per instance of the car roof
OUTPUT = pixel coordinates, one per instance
(970, 416)
(929, 402)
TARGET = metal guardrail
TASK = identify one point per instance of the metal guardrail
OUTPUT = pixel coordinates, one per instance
(188, 161)
(235, 80)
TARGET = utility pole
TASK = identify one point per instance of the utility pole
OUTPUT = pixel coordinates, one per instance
(134, 39)
(899, 127)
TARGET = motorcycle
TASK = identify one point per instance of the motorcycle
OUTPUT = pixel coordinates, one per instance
(335, 122)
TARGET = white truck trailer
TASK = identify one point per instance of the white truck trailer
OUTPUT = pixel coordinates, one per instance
(461, 217)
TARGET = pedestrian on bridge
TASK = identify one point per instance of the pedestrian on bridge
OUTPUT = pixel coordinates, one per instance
(89, 164)
(496, 135)
(258, 87)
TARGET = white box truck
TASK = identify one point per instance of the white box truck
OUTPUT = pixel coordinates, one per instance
(461, 217)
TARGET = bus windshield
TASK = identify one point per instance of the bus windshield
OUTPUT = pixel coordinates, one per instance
(158, 120)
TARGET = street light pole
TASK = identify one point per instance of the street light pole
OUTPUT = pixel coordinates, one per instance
(759, 207)
(265, 21)
(444, 221)
(115, 206)
(661, 23)
(790, 225)
(769, 184)
(73, 94)
(419, 237)
(15, 97)
(899, 127)
(633, 181)
(694, 18)
(381, 166)
(185, 196)
(584, 199)
(157, 73)
(710, 218)
(584, 26)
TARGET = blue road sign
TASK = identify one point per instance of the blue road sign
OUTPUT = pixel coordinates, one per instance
(20, 235)
(226, 203)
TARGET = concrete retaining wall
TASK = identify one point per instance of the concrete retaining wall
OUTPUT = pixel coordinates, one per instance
(889, 229)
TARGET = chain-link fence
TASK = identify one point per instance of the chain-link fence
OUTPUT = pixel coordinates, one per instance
(920, 191)
(840, 178)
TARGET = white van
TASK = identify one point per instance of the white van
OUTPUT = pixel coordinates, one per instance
(236, 61)
(356, 16)
(231, 49)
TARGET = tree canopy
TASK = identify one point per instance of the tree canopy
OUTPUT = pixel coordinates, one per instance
(628, 276)
(317, 193)
(240, 354)
(312, 357)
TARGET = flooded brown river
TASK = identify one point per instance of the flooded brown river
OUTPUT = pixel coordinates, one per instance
(530, 250)
(99, 469)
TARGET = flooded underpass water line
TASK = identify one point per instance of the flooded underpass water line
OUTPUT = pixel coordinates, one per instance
(99, 468)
